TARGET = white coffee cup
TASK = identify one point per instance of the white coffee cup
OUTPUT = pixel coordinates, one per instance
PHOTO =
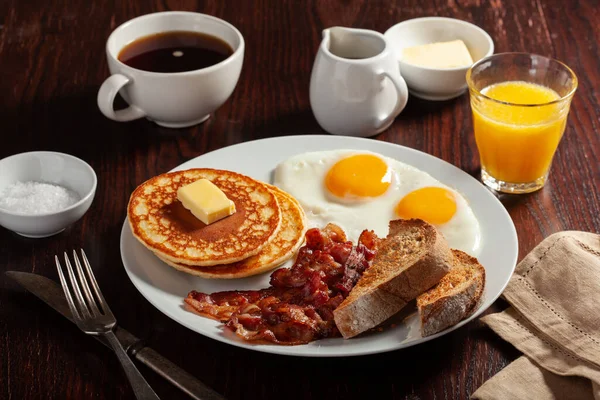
(173, 100)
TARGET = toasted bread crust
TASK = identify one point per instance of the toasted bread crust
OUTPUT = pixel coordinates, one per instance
(455, 297)
(412, 259)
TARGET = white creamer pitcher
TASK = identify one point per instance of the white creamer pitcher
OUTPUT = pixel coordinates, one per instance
(355, 87)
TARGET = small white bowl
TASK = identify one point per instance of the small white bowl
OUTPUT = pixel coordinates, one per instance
(437, 83)
(49, 167)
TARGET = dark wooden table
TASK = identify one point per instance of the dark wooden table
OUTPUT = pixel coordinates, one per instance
(52, 64)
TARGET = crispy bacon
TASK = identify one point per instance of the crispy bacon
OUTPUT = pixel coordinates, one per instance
(298, 306)
(354, 265)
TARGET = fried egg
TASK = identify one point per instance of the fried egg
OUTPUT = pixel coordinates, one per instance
(360, 190)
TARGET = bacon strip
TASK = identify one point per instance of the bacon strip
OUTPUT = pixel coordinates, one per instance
(298, 306)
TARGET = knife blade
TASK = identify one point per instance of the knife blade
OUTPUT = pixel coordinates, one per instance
(52, 294)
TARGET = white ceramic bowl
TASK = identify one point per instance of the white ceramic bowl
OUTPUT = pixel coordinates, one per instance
(49, 167)
(437, 83)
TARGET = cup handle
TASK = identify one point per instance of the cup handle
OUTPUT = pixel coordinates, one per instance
(106, 97)
(402, 91)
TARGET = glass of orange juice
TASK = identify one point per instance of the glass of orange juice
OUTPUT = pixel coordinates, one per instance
(520, 104)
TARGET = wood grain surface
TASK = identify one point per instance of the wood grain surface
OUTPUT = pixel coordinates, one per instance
(52, 64)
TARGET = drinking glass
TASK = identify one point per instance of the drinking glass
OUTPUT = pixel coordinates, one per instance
(518, 132)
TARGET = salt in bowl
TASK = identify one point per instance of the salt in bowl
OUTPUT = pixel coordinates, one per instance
(48, 167)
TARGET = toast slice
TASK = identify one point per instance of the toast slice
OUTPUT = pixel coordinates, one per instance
(455, 297)
(413, 258)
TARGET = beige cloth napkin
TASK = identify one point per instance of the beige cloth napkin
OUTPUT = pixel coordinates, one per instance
(554, 320)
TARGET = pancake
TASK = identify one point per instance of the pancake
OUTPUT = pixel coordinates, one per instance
(161, 223)
(279, 249)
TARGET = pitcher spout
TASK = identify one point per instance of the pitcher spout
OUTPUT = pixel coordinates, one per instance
(352, 43)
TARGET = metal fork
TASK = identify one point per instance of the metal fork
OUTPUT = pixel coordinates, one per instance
(93, 316)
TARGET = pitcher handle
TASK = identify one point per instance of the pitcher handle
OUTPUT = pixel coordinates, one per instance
(402, 92)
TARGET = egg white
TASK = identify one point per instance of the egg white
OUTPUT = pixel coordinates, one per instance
(303, 177)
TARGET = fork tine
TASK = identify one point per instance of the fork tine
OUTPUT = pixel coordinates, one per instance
(95, 286)
(85, 312)
(65, 287)
(86, 288)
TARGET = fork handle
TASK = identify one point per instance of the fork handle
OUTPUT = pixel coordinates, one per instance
(141, 388)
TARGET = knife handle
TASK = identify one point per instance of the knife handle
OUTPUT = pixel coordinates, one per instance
(174, 374)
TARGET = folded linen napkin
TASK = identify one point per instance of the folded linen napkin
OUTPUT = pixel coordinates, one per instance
(554, 320)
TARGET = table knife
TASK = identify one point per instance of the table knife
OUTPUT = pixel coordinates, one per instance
(52, 294)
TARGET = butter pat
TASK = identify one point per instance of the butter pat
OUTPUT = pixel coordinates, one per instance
(206, 201)
(439, 55)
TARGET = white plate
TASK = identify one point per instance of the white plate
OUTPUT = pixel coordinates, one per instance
(166, 287)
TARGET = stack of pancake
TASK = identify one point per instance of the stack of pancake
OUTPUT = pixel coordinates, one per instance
(265, 231)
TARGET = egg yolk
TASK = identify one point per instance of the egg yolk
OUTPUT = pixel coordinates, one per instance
(432, 204)
(361, 175)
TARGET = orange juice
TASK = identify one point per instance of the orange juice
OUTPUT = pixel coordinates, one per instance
(517, 141)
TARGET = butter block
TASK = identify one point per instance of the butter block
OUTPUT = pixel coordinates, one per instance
(206, 201)
(439, 55)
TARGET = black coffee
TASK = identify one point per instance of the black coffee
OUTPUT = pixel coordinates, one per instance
(175, 51)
